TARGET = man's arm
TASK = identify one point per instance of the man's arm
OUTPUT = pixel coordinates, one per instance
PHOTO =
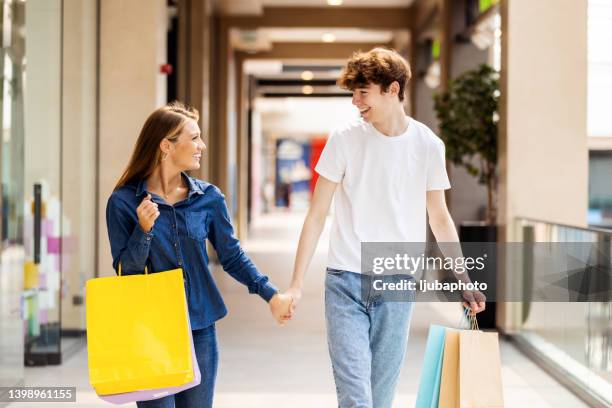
(443, 228)
(440, 220)
(311, 232)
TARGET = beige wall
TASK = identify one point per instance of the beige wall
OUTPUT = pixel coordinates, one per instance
(543, 150)
(78, 152)
(42, 96)
(132, 47)
(544, 154)
(194, 67)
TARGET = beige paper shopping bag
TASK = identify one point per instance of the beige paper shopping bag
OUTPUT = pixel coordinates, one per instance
(449, 383)
(480, 384)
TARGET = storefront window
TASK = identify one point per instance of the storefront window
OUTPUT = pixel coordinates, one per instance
(12, 67)
(48, 115)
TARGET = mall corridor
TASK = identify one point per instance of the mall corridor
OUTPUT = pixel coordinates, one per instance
(514, 93)
(263, 365)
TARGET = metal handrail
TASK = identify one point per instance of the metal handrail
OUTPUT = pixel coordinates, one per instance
(557, 224)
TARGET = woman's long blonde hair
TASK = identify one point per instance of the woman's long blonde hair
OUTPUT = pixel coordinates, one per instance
(166, 122)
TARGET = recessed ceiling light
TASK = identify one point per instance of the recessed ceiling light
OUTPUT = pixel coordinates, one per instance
(307, 90)
(328, 37)
(307, 75)
(334, 2)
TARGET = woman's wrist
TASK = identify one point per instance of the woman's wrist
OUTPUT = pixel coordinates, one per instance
(268, 293)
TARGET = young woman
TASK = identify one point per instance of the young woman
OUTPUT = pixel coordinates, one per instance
(160, 217)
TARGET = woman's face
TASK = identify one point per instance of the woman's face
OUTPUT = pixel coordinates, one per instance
(186, 152)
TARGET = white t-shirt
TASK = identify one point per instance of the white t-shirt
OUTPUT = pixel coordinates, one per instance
(383, 181)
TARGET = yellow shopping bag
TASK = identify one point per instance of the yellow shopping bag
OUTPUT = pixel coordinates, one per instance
(138, 332)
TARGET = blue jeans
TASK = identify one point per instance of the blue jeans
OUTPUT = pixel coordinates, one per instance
(367, 339)
(200, 396)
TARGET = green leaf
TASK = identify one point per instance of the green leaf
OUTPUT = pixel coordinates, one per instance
(466, 112)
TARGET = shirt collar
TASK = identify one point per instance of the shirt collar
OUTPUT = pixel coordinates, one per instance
(194, 188)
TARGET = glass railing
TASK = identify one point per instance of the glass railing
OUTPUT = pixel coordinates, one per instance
(572, 339)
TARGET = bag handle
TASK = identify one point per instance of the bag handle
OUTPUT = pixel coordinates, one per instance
(471, 320)
(146, 269)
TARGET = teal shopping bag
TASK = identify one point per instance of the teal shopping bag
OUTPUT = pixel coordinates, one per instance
(429, 386)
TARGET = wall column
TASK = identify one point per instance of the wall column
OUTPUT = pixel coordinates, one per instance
(132, 47)
(543, 153)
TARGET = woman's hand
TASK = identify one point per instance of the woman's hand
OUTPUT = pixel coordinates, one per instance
(280, 307)
(147, 213)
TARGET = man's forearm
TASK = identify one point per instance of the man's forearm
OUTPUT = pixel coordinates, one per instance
(448, 241)
(309, 238)
(443, 228)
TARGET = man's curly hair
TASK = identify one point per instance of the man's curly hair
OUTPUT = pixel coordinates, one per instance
(379, 66)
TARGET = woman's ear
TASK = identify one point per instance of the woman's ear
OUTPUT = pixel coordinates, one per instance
(165, 146)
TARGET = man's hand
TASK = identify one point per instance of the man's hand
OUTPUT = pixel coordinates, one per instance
(296, 294)
(474, 300)
(280, 307)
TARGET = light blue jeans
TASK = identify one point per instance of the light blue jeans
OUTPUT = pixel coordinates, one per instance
(367, 339)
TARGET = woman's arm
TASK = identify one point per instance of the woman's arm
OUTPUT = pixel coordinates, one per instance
(239, 266)
(230, 254)
(130, 244)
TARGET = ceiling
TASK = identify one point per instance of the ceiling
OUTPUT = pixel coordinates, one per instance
(344, 35)
(262, 39)
(280, 79)
(345, 3)
(255, 7)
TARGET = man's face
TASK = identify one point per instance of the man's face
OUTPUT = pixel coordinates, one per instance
(373, 103)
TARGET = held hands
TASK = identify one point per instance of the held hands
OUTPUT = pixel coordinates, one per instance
(280, 307)
(283, 305)
(147, 213)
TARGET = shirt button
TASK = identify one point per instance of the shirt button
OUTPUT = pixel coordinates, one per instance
(175, 244)
(180, 263)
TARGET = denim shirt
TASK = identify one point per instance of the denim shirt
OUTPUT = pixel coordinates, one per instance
(178, 240)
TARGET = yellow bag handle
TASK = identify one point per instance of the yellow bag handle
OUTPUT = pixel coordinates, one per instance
(146, 269)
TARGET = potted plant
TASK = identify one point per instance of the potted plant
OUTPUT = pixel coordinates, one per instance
(467, 117)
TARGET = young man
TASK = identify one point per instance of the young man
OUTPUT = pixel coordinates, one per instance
(386, 171)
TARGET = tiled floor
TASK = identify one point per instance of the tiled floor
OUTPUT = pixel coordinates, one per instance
(263, 365)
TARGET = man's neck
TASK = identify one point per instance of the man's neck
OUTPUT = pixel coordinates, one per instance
(394, 124)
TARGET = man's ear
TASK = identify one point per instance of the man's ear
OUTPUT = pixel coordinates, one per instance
(394, 88)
